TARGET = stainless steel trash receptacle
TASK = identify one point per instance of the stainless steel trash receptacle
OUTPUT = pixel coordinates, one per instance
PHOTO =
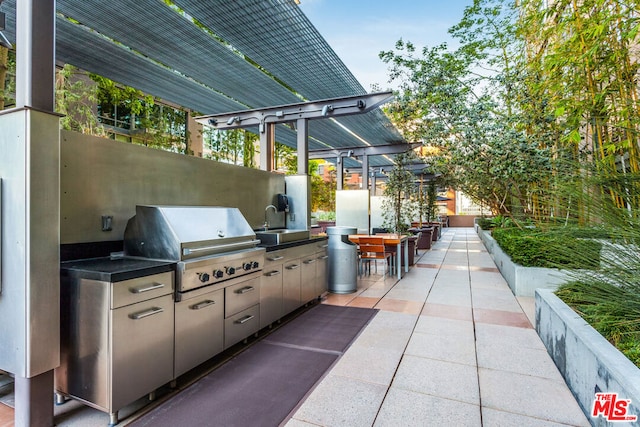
(343, 260)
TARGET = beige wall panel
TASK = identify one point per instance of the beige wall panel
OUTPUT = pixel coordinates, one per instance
(100, 177)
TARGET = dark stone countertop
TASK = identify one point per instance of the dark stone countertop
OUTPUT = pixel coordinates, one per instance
(114, 269)
(312, 239)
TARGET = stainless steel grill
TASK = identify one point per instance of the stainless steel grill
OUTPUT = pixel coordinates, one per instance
(210, 244)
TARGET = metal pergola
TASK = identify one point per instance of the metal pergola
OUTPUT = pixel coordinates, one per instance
(209, 56)
(217, 56)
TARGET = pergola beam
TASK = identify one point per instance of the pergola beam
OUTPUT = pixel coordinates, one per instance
(374, 150)
(323, 109)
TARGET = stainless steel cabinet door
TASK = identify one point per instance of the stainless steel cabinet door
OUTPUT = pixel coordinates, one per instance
(322, 279)
(308, 279)
(271, 295)
(291, 286)
(199, 330)
(142, 349)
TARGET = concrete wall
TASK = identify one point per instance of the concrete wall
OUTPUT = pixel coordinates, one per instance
(587, 361)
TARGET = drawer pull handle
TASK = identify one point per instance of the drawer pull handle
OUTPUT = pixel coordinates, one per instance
(203, 304)
(145, 288)
(309, 261)
(292, 267)
(272, 273)
(146, 313)
(323, 257)
(245, 319)
(276, 258)
(244, 290)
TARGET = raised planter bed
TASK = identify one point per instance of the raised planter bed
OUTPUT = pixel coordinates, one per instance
(523, 281)
(586, 360)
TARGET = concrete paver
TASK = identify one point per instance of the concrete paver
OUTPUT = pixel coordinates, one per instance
(450, 346)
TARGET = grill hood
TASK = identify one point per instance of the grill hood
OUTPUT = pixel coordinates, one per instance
(184, 232)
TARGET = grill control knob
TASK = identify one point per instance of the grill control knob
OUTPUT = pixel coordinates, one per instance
(231, 270)
(246, 266)
(255, 264)
(218, 274)
(204, 277)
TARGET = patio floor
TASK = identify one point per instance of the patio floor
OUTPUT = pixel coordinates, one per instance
(451, 345)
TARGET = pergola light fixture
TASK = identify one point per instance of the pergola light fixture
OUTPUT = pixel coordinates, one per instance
(327, 109)
(232, 120)
(348, 153)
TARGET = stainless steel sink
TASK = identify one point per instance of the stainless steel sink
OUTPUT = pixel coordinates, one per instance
(278, 236)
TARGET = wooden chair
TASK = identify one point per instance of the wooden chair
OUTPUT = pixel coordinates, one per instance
(373, 249)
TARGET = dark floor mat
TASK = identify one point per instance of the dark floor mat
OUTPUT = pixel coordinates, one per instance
(264, 383)
(325, 327)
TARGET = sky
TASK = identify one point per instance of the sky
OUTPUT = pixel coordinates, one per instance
(358, 30)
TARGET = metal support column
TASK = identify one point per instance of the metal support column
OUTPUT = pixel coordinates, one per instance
(35, 64)
(267, 142)
(30, 143)
(365, 172)
(372, 191)
(34, 392)
(339, 174)
(302, 127)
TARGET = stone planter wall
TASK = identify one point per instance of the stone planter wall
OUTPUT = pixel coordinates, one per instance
(523, 281)
(587, 361)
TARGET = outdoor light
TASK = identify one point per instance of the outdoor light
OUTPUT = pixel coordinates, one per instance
(213, 122)
(348, 153)
(327, 109)
(232, 120)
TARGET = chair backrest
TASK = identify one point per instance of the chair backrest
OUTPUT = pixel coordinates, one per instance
(371, 244)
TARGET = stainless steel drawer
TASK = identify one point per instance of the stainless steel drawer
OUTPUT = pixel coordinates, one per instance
(141, 289)
(241, 296)
(241, 325)
(275, 257)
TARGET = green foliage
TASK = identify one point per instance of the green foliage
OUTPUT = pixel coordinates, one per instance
(7, 77)
(425, 198)
(612, 310)
(471, 121)
(76, 99)
(533, 248)
(325, 216)
(485, 223)
(323, 193)
(235, 146)
(397, 206)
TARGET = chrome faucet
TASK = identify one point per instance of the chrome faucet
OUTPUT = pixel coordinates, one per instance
(266, 211)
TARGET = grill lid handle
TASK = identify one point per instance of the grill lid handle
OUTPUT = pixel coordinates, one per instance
(189, 251)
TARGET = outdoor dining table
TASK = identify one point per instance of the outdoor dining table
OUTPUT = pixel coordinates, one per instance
(391, 239)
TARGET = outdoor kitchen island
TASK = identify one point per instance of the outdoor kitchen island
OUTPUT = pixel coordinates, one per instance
(132, 323)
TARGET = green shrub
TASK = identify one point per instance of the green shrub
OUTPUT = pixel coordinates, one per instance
(533, 248)
(614, 311)
(498, 221)
(485, 223)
